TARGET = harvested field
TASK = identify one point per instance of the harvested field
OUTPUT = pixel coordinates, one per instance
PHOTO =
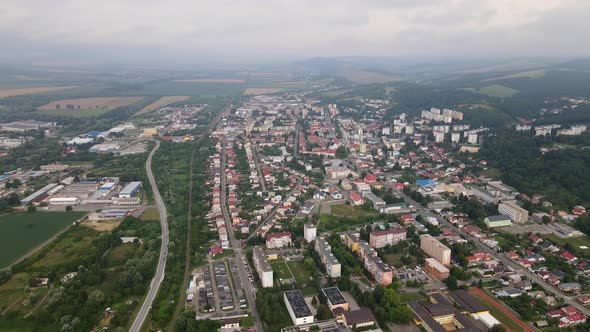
(28, 91)
(164, 101)
(260, 91)
(214, 80)
(95, 103)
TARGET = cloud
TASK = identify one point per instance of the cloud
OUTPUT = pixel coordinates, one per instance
(298, 27)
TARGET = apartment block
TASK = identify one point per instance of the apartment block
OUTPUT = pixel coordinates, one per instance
(515, 212)
(263, 267)
(333, 267)
(435, 249)
(379, 239)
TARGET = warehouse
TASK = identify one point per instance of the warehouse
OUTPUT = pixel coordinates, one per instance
(64, 201)
(130, 189)
(38, 195)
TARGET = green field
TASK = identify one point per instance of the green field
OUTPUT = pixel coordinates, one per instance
(21, 232)
(281, 269)
(496, 90)
(299, 271)
(342, 217)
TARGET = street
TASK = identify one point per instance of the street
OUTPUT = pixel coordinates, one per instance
(235, 244)
(159, 276)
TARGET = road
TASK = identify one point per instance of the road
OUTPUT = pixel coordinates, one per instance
(235, 244)
(499, 257)
(296, 141)
(258, 169)
(274, 210)
(159, 276)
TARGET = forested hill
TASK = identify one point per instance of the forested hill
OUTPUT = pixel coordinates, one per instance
(560, 175)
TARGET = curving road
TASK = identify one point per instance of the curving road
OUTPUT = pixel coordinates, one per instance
(159, 276)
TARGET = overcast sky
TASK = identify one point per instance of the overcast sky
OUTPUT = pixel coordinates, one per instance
(298, 28)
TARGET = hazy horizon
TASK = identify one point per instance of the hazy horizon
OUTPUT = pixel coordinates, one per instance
(196, 31)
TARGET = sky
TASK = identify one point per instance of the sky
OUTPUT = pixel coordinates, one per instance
(190, 29)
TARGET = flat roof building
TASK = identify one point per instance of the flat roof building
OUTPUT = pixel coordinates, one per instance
(297, 308)
(324, 250)
(436, 269)
(435, 249)
(335, 298)
(498, 221)
(382, 273)
(263, 267)
(379, 239)
(514, 211)
(130, 189)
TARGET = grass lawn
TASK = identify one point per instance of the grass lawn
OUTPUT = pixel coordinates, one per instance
(21, 232)
(309, 291)
(351, 211)
(74, 243)
(343, 217)
(499, 314)
(407, 297)
(299, 271)
(13, 290)
(497, 90)
(393, 259)
(280, 268)
(119, 254)
(150, 214)
(575, 242)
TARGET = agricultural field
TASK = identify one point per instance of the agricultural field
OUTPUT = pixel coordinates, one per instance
(21, 232)
(101, 262)
(28, 91)
(260, 91)
(496, 90)
(525, 74)
(163, 101)
(213, 80)
(81, 107)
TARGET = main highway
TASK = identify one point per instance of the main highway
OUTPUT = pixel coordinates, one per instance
(499, 257)
(235, 243)
(159, 276)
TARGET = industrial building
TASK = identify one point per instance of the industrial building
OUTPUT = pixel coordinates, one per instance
(435, 249)
(324, 250)
(38, 195)
(64, 201)
(130, 189)
(298, 309)
(263, 267)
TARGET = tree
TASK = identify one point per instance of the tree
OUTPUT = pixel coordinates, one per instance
(69, 208)
(323, 312)
(341, 152)
(451, 283)
(31, 208)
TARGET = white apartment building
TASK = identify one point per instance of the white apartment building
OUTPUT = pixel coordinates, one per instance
(515, 212)
(435, 249)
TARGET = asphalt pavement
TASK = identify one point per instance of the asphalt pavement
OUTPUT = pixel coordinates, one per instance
(160, 269)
